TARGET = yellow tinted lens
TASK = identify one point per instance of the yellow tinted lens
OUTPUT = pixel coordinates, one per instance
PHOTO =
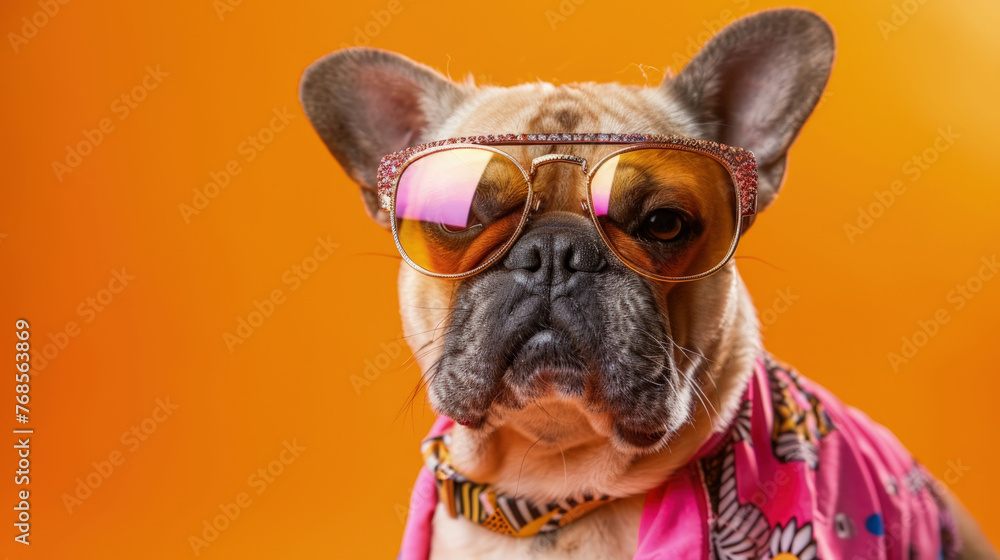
(666, 212)
(456, 209)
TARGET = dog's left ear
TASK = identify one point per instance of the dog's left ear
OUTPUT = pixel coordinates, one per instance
(756, 82)
(366, 103)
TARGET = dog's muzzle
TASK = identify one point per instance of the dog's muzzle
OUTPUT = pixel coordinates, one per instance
(558, 316)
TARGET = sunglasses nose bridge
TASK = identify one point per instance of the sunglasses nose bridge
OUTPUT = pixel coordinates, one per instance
(553, 158)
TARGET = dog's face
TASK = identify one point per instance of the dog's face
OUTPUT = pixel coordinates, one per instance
(560, 317)
(559, 321)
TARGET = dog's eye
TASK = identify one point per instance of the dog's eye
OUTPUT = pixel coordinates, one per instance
(472, 222)
(662, 225)
(484, 212)
(473, 226)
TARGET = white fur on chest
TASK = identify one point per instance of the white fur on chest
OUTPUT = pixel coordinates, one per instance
(610, 532)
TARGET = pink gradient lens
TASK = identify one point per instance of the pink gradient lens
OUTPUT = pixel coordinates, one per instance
(456, 209)
(667, 213)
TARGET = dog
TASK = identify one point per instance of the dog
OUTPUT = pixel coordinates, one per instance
(577, 381)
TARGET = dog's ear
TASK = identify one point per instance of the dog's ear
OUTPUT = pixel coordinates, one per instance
(366, 103)
(756, 82)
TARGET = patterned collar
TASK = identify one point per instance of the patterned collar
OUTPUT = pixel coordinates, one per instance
(507, 515)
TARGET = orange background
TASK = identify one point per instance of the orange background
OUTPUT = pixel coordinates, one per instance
(344, 495)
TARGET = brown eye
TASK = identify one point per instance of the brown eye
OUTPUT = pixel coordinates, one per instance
(662, 225)
(472, 222)
(460, 229)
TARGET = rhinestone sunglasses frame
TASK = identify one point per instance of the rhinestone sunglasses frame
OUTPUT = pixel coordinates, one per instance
(740, 163)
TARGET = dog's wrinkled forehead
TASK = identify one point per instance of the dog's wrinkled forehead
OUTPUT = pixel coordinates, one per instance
(581, 108)
(590, 107)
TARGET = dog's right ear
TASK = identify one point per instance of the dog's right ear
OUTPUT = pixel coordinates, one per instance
(755, 84)
(366, 103)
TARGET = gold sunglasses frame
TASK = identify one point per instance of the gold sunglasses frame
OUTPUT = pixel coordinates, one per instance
(739, 163)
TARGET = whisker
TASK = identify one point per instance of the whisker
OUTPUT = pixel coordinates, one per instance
(517, 486)
(386, 255)
(706, 359)
(565, 470)
(424, 380)
(760, 260)
(698, 393)
(702, 397)
(574, 421)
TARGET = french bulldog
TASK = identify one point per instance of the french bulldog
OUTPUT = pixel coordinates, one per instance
(593, 380)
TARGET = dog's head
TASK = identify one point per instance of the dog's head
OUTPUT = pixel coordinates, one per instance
(559, 319)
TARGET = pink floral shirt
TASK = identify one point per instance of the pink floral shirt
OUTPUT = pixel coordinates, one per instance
(798, 475)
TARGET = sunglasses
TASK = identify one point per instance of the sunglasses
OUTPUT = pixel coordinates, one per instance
(670, 208)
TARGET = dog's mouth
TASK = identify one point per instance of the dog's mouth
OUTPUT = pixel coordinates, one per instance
(550, 365)
(548, 362)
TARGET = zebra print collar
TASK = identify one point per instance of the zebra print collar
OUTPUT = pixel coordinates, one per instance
(501, 513)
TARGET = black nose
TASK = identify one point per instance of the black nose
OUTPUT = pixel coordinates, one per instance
(554, 247)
